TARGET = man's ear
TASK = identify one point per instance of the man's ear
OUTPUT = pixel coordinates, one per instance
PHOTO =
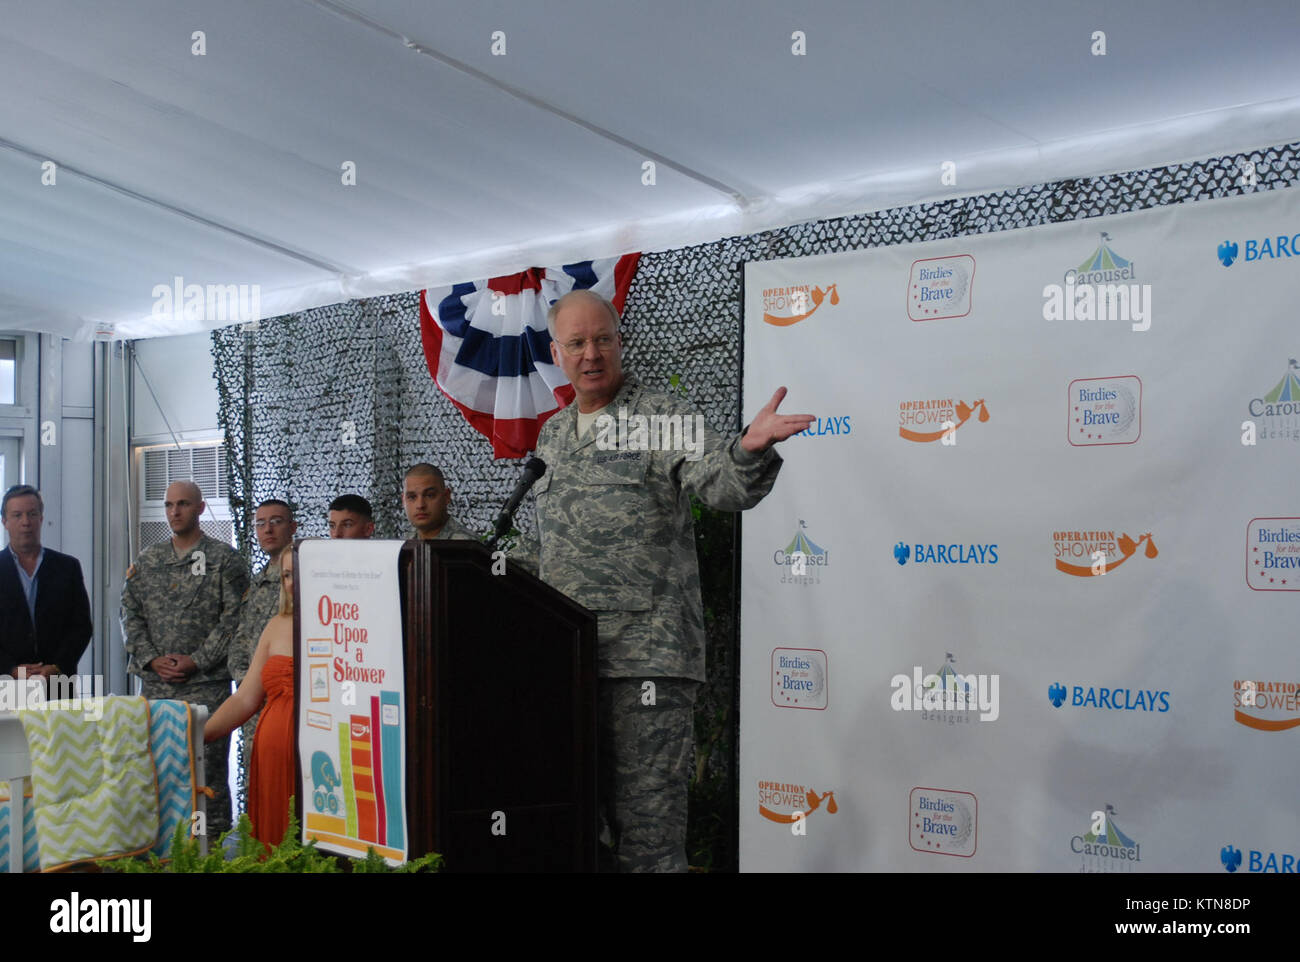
(555, 354)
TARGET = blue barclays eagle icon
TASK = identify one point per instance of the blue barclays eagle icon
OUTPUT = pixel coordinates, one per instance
(1056, 694)
(1231, 858)
(902, 552)
(1227, 253)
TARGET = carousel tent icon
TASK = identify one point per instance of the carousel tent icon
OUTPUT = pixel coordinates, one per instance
(805, 544)
(1103, 258)
(949, 679)
(1287, 389)
(1112, 835)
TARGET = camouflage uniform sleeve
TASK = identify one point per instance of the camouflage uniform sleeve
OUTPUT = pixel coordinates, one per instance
(240, 653)
(231, 582)
(723, 474)
(135, 629)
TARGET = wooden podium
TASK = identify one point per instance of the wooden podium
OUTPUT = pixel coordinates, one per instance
(501, 714)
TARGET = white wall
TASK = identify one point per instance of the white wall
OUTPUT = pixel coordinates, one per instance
(184, 392)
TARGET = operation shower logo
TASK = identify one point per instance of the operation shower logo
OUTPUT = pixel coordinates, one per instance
(783, 306)
(1266, 706)
(787, 802)
(1088, 554)
(929, 419)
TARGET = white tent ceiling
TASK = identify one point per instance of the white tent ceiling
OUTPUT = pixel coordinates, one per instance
(226, 168)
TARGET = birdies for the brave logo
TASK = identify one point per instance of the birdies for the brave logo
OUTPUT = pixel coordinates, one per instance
(1089, 554)
(943, 822)
(799, 678)
(1104, 410)
(783, 306)
(1273, 554)
(939, 287)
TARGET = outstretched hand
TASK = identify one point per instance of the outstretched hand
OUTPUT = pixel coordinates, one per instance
(768, 427)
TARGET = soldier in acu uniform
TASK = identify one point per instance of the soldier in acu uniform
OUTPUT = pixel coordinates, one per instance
(275, 528)
(425, 498)
(180, 606)
(617, 536)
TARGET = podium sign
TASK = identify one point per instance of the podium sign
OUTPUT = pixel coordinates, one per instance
(351, 697)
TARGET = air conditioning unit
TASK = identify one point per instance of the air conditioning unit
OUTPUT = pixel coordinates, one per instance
(205, 465)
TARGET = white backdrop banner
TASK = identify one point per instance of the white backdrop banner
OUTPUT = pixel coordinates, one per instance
(1024, 597)
(351, 717)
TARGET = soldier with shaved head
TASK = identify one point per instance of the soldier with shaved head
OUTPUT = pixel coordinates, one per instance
(180, 607)
(425, 497)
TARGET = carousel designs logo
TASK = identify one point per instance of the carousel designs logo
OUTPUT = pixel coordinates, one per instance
(943, 822)
(786, 803)
(1105, 847)
(946, 695)
(1096, 291)
(940, 287)
(1266, 706)
(799, 678)
(783, 306)
(936, 419)
(802, 560)
(1090, 554)
(1104, 410)
(1276, 415)
(1273, 554)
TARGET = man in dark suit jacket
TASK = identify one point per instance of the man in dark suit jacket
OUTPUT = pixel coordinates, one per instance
(45, 622)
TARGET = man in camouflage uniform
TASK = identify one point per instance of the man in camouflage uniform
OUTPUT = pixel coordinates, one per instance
(617, 536)
(180, 606)
(275, 527)
(425, 497)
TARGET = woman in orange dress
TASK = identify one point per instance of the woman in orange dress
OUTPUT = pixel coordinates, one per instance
(269, 681)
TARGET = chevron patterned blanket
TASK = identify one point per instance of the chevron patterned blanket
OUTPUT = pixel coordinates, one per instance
(105, 786)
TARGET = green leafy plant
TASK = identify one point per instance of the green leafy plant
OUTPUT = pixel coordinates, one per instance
(250, 855)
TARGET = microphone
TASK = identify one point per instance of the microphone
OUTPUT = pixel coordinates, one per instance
(533, 470)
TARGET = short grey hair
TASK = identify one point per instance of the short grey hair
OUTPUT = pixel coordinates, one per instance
(581, 293)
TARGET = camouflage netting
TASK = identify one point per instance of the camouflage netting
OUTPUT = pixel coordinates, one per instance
(289, 389)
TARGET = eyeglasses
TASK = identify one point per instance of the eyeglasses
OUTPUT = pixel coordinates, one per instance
(270, 523)
(33, 515)
(578, 346)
